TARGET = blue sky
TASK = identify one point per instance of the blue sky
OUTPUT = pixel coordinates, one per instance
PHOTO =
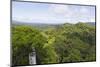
(51, 13)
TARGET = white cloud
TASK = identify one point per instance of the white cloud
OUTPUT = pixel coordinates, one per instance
(59, 9)
(84, 10)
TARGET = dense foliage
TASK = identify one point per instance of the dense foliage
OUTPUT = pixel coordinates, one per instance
(54, 44)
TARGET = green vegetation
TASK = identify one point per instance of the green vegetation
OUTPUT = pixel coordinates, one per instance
(55, 44)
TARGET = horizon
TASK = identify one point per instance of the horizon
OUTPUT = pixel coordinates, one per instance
(51, 13)
(13, 21)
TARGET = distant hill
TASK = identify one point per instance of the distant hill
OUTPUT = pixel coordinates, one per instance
(43, 25)
(30, 23)
(91, 23)
(35, 24)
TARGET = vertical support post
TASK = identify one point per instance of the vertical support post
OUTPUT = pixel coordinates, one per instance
(32, 57)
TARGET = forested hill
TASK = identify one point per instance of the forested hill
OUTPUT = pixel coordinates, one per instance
(54, 44)
(45, 25)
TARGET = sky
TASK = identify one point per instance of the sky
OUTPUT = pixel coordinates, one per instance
(30, 12)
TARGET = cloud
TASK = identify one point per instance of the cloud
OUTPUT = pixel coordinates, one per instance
(59, 9)
(92, 20)
(83, 10)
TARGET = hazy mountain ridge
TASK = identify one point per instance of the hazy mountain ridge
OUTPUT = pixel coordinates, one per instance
(91, 23)
(46, 24)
